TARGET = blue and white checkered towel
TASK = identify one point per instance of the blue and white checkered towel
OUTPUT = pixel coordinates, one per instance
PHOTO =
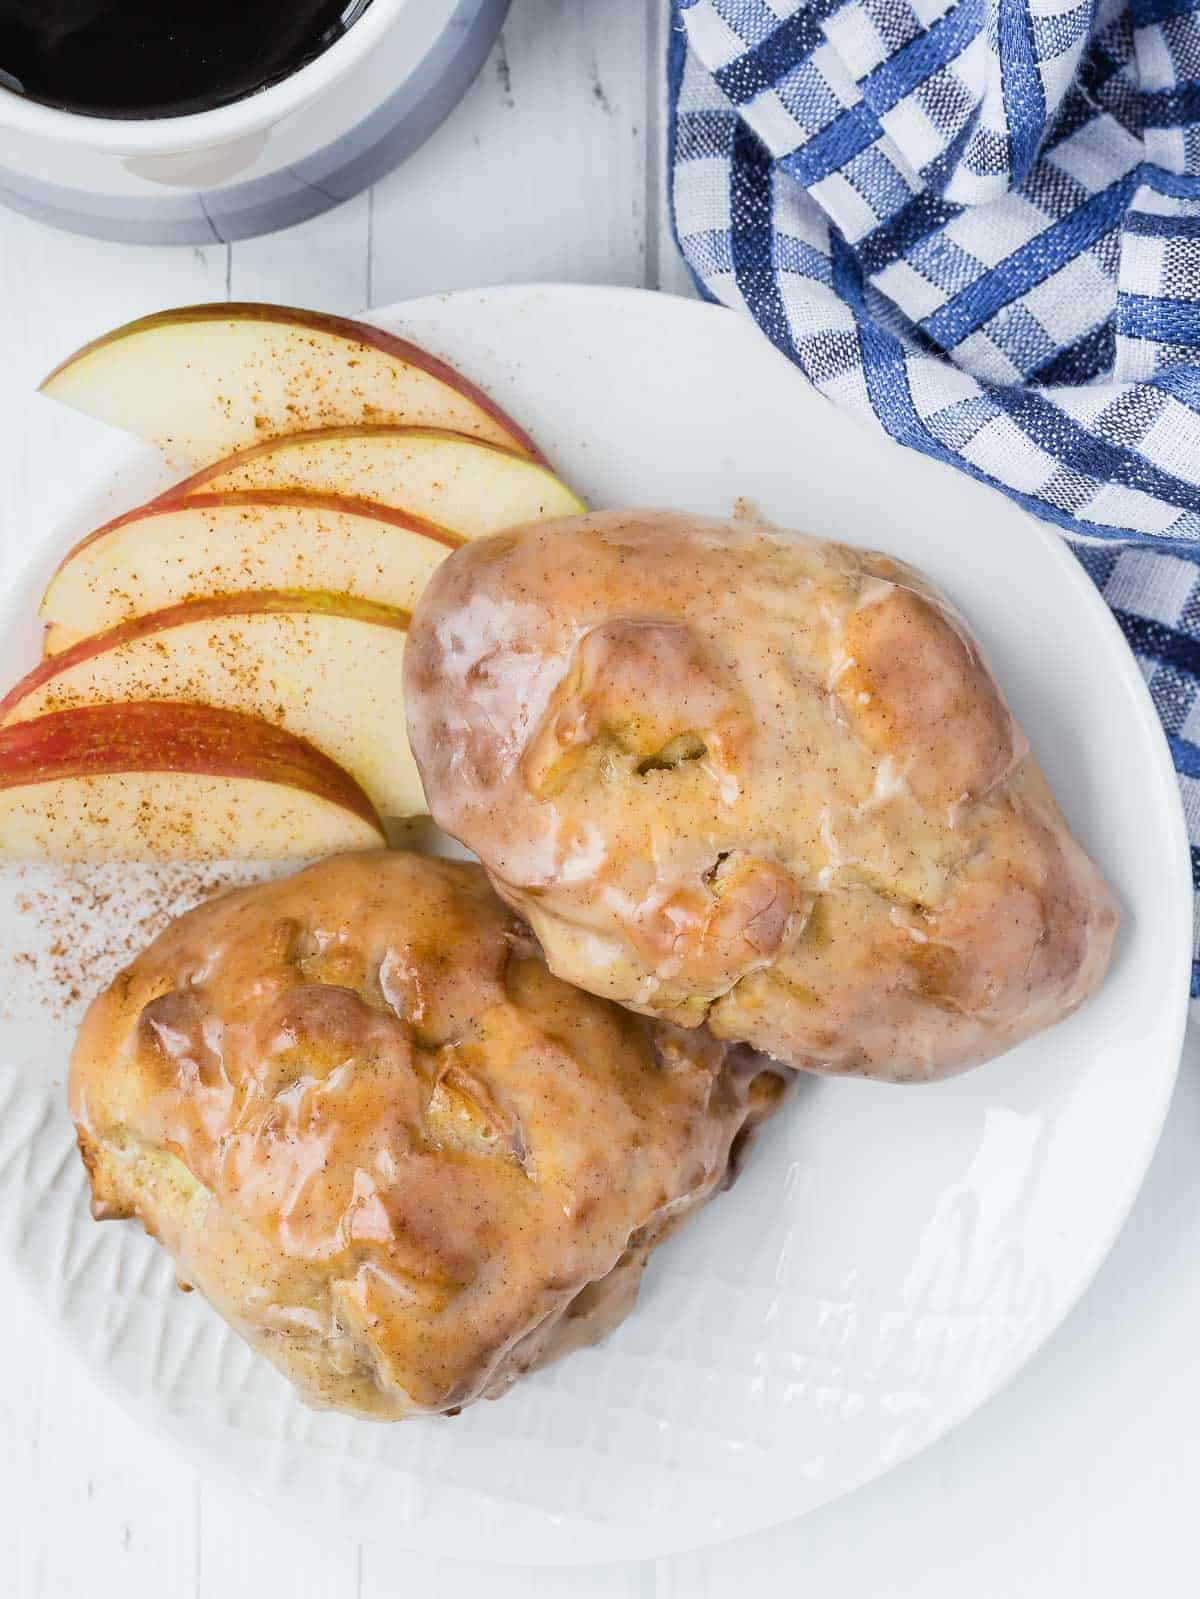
(979, 222)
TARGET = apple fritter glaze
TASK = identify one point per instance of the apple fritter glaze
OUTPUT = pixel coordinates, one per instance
(398, 1155)
(747, 777)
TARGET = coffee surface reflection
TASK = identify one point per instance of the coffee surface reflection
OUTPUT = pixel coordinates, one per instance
(160, 58)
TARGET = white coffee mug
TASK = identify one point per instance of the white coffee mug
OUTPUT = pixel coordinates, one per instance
(265, 161)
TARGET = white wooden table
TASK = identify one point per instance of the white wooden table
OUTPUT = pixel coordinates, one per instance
(1082, 1479)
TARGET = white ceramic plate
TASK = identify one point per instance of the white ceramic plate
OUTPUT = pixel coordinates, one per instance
(891, 1256)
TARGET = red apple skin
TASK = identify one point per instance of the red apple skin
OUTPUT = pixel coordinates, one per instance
(342, 504)
(147, 736)
(276, 600)
(192, 486)
(320, 322)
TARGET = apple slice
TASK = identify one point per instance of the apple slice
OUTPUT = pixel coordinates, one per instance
(148, 782)
(205, 380)
(459, 483)
(167, 553)
(325, 667)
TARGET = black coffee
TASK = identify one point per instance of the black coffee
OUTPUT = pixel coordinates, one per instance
(160, 58)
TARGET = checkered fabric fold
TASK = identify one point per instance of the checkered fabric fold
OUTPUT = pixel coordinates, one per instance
(979, 224)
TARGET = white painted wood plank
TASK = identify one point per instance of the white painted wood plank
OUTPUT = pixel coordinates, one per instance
(58, 291)
(92, 1503)
(247, 1551)
(665, 267)
(540, 173)
(323, 265)
(22, 1528)
(402, 1576)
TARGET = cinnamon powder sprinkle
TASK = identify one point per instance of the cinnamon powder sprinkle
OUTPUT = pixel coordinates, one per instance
(76, 927)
